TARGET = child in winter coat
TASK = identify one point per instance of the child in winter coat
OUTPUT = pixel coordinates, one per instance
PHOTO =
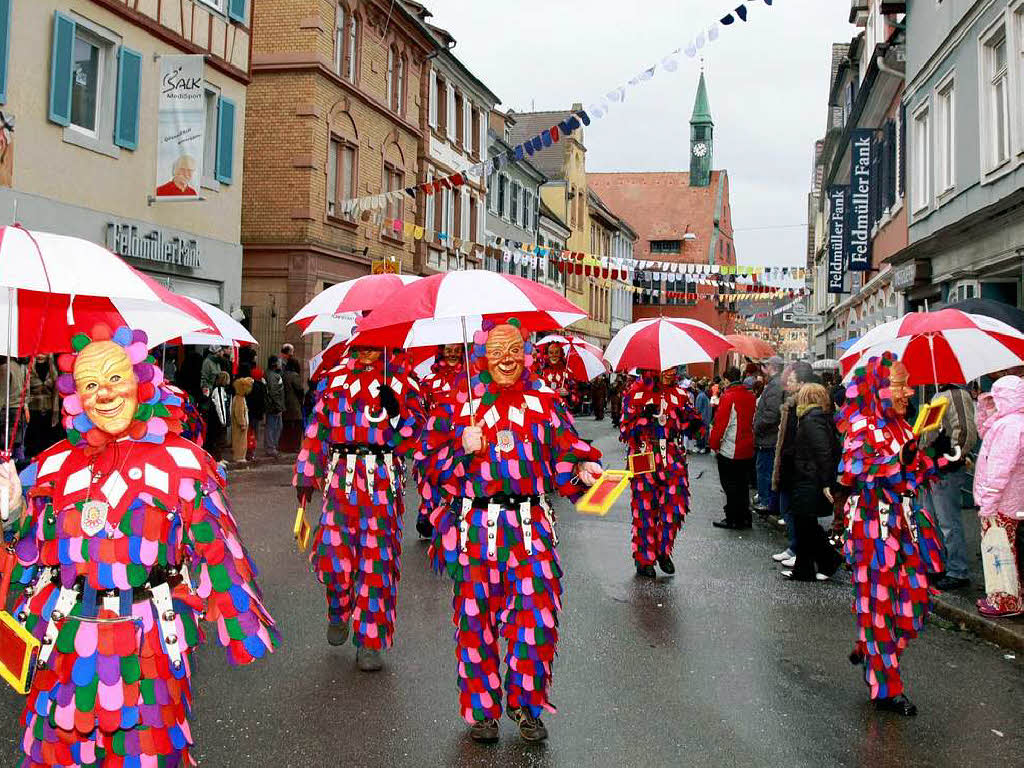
(999, 494)
(240, 418)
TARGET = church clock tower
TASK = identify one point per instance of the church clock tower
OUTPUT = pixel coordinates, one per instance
(702, 129)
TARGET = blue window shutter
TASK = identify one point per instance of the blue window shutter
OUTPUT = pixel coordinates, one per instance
(126, 120)
(225, 139)
(236, 10)
(60, 68)
(5, 46)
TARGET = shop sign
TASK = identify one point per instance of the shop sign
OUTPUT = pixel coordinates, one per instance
(860, 200)
(181, 127)
(837, 240)
(904, 276)
(155, 245)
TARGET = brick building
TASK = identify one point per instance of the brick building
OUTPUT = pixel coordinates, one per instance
(334, 113)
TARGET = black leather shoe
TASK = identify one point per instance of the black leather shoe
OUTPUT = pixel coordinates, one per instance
(901, 705)
(646, 571)
(531, 729)
(666, 564)
(484, 731)
(949, 583)
(337, 633)
(424, 528)
(724, 523)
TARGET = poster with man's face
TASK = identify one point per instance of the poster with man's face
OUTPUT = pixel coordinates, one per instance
(181, 129)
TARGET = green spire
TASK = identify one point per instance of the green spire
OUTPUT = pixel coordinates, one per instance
(701, 107)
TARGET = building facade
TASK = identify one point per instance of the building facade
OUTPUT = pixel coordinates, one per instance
(455, 136)
(82, 80)
(334, 113)
(964, 102)
(623, 244)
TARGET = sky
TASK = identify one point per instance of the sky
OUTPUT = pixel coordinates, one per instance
(767, 84)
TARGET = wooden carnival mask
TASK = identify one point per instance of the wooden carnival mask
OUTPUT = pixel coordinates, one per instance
(506, 355)
(107, 386)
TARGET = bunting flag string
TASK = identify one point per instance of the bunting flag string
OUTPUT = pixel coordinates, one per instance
(573, 121)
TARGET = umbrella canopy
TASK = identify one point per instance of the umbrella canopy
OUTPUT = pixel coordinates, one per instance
(226, 331)
(828, 364)
(748, 346)
(360, 295)
(845, 345)
(999, 310)
(944, 347)
(584, 360)
(661, 343)
(445, 308)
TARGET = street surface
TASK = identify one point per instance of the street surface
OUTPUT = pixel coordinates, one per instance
(724, 664)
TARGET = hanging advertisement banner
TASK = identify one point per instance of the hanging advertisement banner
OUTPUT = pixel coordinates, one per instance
(837, 236)
(181, 127)
(860, 200)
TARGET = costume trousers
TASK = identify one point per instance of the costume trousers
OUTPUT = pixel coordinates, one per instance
(356, 554)
(660, 501)
(999, 558)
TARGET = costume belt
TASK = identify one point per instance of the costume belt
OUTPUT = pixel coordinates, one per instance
(156, 590)
(494, 505)
(370, 454)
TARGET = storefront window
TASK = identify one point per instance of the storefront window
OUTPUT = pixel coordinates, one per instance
(85, 84)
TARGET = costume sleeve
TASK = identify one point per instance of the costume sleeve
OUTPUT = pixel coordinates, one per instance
(568, 451)
(869, 463)
(405, 437)
(224, 576)
(311, 463)
(635, 426)
(27, 548)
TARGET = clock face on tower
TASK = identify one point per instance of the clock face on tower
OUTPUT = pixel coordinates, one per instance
(700, 149)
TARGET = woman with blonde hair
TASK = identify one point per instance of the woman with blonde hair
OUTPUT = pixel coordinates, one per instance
(815, 466)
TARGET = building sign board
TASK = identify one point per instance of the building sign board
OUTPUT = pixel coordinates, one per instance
(837, 241)
(860, 200)
(181, 128)
(155, 245)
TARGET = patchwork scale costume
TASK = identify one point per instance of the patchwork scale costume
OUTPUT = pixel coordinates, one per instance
(495, 533)
(127, 541)
(657, 415)
(352, 449)
(891, 541)
(556, 376)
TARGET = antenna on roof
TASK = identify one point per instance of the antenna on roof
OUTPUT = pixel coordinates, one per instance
(533, 105)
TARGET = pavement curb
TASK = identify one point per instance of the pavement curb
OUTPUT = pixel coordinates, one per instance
(988, 629)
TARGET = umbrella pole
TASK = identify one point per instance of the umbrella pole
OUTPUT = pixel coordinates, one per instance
(5, 499)
(469, 380)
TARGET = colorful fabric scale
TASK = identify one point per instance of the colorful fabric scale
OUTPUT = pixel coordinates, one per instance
(193, 426)
(557, 378)
(660, 499)
(115, 690)
(436, 385)
(507, 577)
(357, 544)
(891, 541)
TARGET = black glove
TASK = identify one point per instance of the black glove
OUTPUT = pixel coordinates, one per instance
(304, 494)
(908, 452)
(389, 401)
(650, 410)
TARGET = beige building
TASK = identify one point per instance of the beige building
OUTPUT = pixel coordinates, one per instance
(82, 78)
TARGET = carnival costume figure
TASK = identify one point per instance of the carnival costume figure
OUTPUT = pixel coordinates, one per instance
(554, 372)
(657, 416)
(495, 532)
(448, 369)
(891, 540)
(360, 429)
(126, 542)
(193, 427)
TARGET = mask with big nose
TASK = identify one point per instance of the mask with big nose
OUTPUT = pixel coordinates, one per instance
(899, 391)
(107, 386)
(506, 355)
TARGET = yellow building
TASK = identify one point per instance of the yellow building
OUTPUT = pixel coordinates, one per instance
(566, 193)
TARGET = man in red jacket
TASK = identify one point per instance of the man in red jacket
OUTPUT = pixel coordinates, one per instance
(732, 440)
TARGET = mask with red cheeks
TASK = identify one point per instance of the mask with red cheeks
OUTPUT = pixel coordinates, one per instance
(668, 378)
(367, 356)
(899, 391)
(506, 355)
(452, 354)
(106, 384)
(555, 354)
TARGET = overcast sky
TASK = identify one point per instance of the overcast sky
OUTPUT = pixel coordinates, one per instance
(767, 80)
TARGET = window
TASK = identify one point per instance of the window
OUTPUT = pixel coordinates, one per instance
(86, 82)
(457, 230)
(433, 97)
(400, 87)
(474, 210)
(391, 78)
(209, 170)
(467, 124)
(341, 175)
(502, 195)
(460, 126)
(216, 4)
(450, 124)
(996, 126)
(527, 210)
(922, 171)
(572, 208)
(339, 38)
(490, 195)
(449, 212)
(507, 134)
(475, 129)
(945, 137)
(666, 246)
(396, 80)
(429, 207)
(514, 203)
(352, 49)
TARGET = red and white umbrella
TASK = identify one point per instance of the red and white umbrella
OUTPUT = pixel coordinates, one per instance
(661, 343)
(445, 308)
(584, 360)
(57, 286)
(359, 295)
(225, 330)
(943, 347)
(750, 346)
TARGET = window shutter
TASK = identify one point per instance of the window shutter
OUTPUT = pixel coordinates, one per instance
(890, 181)
(432, 97)
(225, 139)
(236, 11)
(901, 185)
(60, 69)
(126, 120)
(5, 46)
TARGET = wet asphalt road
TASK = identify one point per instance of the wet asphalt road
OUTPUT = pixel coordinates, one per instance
(725, 664)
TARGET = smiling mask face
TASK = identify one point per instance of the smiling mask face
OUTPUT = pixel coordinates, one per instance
(506, 355)
(899, 392)
(555, 354)
(453, 354)
(106, 384)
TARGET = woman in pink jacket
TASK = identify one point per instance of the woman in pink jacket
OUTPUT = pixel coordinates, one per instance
(999, 494)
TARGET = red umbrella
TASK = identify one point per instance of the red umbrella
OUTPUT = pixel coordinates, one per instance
(661, 343)
(751, 347)
(359, 295)
(584, 361)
